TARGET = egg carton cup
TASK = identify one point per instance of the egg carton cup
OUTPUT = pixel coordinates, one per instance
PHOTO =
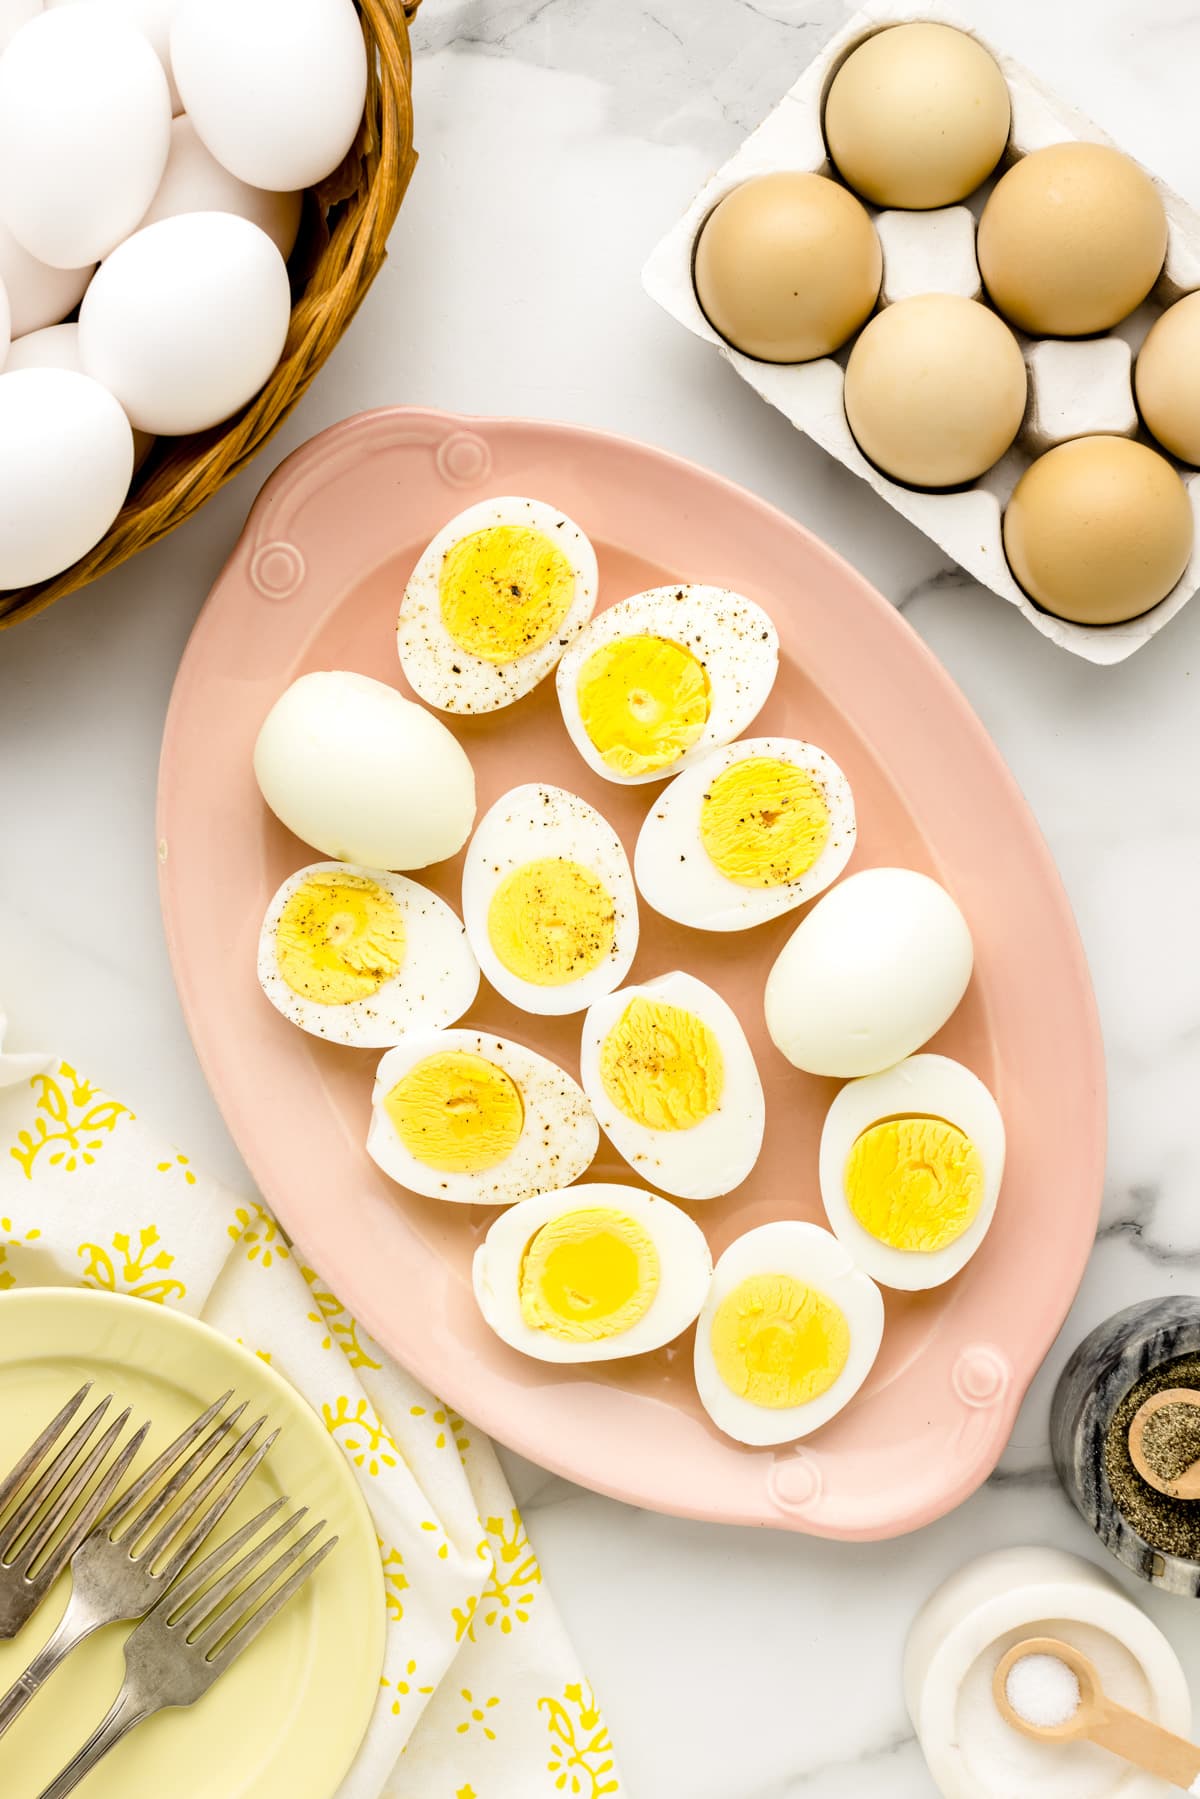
(1077, 386)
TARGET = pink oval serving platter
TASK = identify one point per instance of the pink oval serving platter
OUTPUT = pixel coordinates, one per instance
(315, 582)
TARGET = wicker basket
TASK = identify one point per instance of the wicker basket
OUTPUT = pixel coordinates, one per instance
(340, 250)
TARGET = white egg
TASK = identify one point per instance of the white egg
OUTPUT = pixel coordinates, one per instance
(85, 121)
(872, 973)
(591, 1273)
(14, 14)
(656, 681)
(549, 901)
(5, 326)
(37, 294)
(787, 1314)
(57, 347)
(927, 1140)
(751, 832)
(153, 19)
(66, 461)
(155, 324)
(493, 602)
(194, 181)
(674, 1084)
(472, 1118)
(276, 88)
(361, 957)
(363, 774)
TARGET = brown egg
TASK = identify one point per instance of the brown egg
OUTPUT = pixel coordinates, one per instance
(1099, 530)
(917, 116)
(1167, 379)
(1071, 240)
(787, 267)
(935, 390)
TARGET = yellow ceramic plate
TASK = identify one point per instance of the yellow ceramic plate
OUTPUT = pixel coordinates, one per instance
(285, 1722)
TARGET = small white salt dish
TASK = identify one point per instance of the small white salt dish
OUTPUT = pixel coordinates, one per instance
(984, 1610)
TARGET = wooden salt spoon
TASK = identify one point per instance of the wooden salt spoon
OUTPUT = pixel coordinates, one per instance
(1097, 1719)
(1187, 1484)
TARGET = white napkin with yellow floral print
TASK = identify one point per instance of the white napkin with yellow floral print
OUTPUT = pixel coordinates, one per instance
(481, 1697)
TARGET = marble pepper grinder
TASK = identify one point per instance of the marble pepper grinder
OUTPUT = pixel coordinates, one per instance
(1145, 1350)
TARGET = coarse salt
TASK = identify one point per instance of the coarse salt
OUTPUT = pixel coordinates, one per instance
(1044, 1692)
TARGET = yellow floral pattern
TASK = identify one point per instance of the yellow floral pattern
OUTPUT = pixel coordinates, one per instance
(178, 1164)
(362, 1434)
(73, 1122)
(478, 1715)
(402, 1688)
(395, 1580)
(445, 1420)
(581, 1751)
(512, 1584)
(340, 1327)
(12, 1239)
(259, 1234)
(131, 1269)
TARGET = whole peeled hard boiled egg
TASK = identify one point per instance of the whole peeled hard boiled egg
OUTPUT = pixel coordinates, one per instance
(674, 1084)
(911, 1163)
(361, 957)
(275, 88)
(66, 461)
(85, 123)
(475, 1119)
(548, 900)
(872, 973)
(358, 771)
(155, 324)
(788, 267)
(591, 1273)
(493, 602)
(656, 681)
(751, 832)
(789, 1332)
(194, 181)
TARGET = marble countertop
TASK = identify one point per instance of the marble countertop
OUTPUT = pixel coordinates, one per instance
(559, 138)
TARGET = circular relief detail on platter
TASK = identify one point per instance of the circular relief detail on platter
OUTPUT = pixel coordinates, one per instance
(463, 458)
(795, 1482)
(277, 569)
(981, 1376)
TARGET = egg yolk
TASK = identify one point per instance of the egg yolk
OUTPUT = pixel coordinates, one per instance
(644, 701)
(763, 822)
(777, 1342)
(914, 1183)
(662, 1066)
(504, 591)
(457, 1112)
(551, 921)
(588, 1275)
(339, 938)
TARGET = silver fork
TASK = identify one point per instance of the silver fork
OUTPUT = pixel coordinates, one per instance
(193, 1636)
(23, 1585)
(115, 1577)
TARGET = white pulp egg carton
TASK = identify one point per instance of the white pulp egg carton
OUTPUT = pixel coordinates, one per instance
(1076, 386)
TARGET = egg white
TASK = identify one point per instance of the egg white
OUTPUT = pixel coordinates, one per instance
(436, 983)
(559, 1135)
(712, 1157)
(685, 1271)
(672, 867)
(448, 676)
(926, 1087)
(810, 1255)
(730, 635)
(528, 824)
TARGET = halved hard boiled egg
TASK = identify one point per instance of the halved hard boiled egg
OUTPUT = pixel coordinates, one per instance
(591, 1273)
(789, 1332)
(493, 602)
(911, 1165)
(674, 1084)
(359, 957)
(470, 1117)
(659, 679)
(549, 901)
(749, 833)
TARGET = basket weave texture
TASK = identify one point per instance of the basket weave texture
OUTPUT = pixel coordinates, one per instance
(340, 250)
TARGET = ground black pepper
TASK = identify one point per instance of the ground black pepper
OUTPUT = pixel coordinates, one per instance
(1171, 1440)
(1170, 1525)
